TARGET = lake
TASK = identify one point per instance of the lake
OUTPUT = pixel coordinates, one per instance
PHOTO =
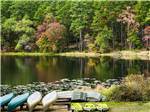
(17, 70)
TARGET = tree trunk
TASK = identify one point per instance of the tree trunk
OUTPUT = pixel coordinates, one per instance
(129, 42)
(121, 37)
(126, 36)
(113, 40)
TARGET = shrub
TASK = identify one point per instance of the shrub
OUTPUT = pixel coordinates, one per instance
(124, 93)
(133, 88)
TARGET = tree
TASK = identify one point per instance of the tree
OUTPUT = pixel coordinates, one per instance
(17, 33)
(102, 40)
(49, 35)
(80, 18)
(127, 17)
(105, 14)
(81, 13)
(8, 35)
(19, 9)
(142, 10)
(25, 33)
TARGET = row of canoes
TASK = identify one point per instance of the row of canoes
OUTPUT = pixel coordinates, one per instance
(32, 100)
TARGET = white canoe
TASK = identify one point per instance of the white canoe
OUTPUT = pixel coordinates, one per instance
(33, 100)
(49, 99)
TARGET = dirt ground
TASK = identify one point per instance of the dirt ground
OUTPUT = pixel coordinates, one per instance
(58, 108)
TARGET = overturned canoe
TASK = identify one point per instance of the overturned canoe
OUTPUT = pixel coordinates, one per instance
(49, 99)
(33, 100)
(6, 99)
(78, 96)
(102, 107)
(89, 107)
(76, 107)
(17, 101)
(93, 96)
(65, 94)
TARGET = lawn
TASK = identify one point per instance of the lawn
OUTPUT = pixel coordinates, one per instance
(129, 106)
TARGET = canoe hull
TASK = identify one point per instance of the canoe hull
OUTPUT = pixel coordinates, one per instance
(49, 99)
(17, 101)
(33, 100)
(6, 99)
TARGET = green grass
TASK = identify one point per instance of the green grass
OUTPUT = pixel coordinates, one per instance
(129, 106)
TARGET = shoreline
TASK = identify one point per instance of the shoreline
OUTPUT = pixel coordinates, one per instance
(125, 54)
(85, 84)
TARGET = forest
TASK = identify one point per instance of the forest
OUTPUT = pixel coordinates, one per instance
(62, 26)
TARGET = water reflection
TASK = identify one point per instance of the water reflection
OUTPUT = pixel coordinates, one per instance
(23, 70)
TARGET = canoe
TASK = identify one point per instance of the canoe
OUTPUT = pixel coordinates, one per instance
(17, 101)
(89, 107)
(64, 94)
(6, 99)
(76, 107)
(33, 100)
(78, 96)
(93, 96)
(104, 107)
(49, 99)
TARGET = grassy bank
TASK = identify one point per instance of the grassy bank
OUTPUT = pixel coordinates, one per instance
(129, 106)
(69, 54)
(26, 54)
(143, 55)
(126, 54)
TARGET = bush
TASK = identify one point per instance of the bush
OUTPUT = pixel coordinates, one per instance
(124, 93)
(133, 88)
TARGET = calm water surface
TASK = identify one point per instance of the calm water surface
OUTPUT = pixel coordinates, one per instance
(24, 70)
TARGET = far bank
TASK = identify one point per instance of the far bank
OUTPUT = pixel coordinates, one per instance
(126, 54)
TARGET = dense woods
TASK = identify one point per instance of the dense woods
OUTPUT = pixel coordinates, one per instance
(59, 26)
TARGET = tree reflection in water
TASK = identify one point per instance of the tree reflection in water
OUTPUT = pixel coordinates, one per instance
(24, 70)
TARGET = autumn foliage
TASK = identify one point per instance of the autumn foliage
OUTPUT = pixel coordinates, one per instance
(53, 31)
(50, 31)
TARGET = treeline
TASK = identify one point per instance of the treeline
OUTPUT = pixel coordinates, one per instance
(57, 26)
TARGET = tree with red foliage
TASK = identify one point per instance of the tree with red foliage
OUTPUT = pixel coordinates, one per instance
(127, 17)
(53, 31)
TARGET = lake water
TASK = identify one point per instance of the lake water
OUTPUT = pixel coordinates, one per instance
(24, 70)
